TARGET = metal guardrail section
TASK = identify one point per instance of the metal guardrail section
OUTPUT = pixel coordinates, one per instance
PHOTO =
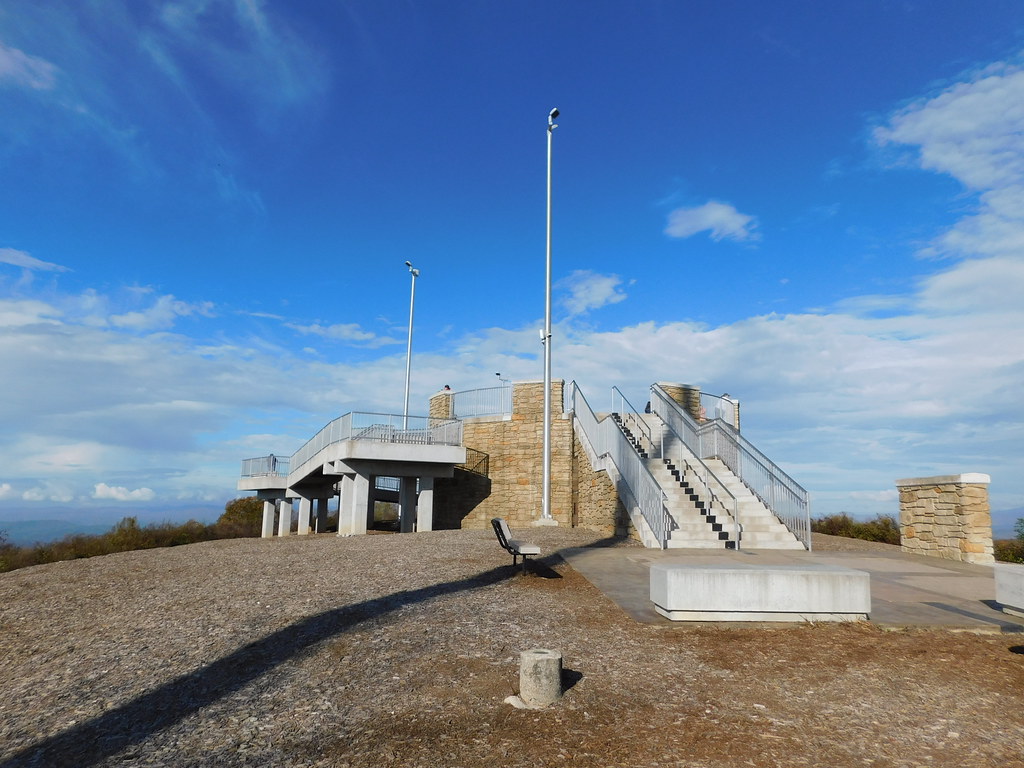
(607, 439)
(721, 502)
(379, 427)
(265, 466)
(630, 417)
(492, 401)
(778, 491)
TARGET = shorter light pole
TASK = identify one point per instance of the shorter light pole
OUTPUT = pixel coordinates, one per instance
(408, 350)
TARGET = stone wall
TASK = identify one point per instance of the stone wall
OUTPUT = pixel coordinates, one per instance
(503, 476)
(595, 502)
(947, 517)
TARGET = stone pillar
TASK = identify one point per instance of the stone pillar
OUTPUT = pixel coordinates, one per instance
(425, 505)
(442, 406)
(321, 515)
(305, 510)
(284, 520)
(687, 396)
(407, 504)
(268, 519)
(947, 516)
(528, 398)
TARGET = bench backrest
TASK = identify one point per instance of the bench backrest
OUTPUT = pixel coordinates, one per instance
(502, 532)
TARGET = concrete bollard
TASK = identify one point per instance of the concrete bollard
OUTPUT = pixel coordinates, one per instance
(540, 677)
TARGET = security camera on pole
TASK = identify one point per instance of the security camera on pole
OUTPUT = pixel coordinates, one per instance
(545, 517)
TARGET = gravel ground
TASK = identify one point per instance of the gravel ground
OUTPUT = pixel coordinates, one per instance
(399, 650)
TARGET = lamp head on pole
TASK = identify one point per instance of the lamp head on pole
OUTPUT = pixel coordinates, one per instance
(551, 119)
(412, 270)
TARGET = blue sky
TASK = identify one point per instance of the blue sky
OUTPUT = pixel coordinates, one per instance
(205, 207)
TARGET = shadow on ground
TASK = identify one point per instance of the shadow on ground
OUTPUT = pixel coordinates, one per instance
(135, 721)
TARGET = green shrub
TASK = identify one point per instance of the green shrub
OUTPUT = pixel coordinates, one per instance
(243, 516)
(1009, 550)
(883, 528)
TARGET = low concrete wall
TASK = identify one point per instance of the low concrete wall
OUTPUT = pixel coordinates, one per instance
(947, 516)
(1010, 587)
(750, 593)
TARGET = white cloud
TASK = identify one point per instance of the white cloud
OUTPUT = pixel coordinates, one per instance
(119, 493)
(588, 290)
(49, 491)
(15, 313)
(6, 491)
(722, 220)
(974, 132)
(22, 70)
(350, 332)
(22, 259)
(162, 314)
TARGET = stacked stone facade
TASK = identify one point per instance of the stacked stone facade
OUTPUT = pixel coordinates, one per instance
(947, 517)
(503, 475)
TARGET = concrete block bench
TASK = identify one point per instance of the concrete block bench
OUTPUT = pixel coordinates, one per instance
(1010, 587)
(760, 593)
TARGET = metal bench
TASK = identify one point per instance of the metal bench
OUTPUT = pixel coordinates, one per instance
(516, 548)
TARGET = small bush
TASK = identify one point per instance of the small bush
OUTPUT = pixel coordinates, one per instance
(1009, 550)
(883, 528)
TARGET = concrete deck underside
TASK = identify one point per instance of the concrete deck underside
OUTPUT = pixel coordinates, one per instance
(906, 590)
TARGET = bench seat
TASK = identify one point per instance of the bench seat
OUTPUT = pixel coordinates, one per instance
(515, 547)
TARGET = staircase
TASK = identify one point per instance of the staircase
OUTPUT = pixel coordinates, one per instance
(700, 508)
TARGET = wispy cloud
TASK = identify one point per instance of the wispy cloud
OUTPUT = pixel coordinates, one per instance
(588, 290)
(973, 131)
(21, 70)
(721, 220)
(348, 332)
(21, 259)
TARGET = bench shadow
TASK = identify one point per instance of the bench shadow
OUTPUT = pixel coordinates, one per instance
(94, 740)
(569, 678)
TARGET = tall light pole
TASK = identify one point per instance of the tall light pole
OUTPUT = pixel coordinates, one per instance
(408, 350)
(545, 515)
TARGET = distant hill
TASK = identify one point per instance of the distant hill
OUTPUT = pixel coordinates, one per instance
(1003, 522)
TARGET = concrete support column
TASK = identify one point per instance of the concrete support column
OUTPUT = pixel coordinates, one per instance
(407, 504)
(321, 515)
(346, 507)
(305, 509)
(284, 521)
(362, 504)
(268, 519)
(425, 505)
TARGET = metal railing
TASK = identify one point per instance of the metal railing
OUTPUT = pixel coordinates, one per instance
(492, 401)
(381, 427)
(786, 499)
(717, 407)
(720, 500)
(637, 484)
(265, 466)
(631, 419)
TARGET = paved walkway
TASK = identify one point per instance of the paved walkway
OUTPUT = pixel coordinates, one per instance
(906, 590)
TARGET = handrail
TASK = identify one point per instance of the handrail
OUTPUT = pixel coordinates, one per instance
(782, 495)
(636, 479)
(265, 466)
(489, 401)
(728, 503)
(630, 413)
(380, 427)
